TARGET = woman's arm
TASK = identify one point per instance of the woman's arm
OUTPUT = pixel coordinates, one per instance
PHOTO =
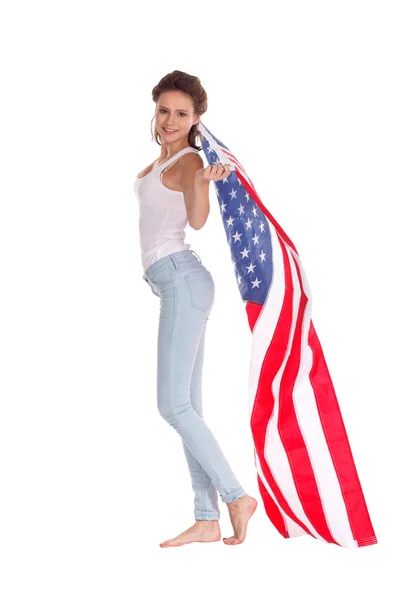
(195, 182)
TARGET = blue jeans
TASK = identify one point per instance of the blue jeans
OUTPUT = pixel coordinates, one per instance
(186, 290)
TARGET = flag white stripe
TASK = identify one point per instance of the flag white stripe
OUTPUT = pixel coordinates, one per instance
(312, 431)
(294, 530)
(262, 334)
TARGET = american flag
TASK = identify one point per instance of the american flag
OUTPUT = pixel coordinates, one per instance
(305, 468)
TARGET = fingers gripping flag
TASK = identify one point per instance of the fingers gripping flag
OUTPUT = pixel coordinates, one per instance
(305, 468)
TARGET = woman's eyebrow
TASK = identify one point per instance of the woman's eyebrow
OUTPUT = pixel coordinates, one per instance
(182, 109)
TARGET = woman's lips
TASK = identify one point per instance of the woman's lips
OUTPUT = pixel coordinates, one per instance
(169, 132)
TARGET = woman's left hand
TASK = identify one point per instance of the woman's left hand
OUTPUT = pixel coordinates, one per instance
(213, 173)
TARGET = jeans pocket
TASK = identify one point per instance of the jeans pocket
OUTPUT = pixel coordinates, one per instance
(201, 289)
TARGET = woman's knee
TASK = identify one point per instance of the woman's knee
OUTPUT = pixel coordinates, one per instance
(170, 409)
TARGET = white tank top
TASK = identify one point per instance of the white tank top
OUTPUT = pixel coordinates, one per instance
(162, 214)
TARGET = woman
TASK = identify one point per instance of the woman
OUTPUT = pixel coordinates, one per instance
(174, 191)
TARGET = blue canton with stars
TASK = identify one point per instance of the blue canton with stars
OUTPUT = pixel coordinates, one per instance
(247, 232)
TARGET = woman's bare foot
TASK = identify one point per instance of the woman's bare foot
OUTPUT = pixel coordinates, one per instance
(240, 511)
(201, 531)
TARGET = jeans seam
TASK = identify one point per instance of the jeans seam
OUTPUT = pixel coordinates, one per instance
(203, 472)
(172, 341)
(199, 445)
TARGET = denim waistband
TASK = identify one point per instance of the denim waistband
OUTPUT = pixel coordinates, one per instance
(175, 260)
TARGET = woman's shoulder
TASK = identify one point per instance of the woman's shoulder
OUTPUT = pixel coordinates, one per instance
(192, 158)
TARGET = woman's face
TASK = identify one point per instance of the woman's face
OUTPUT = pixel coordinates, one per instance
(175, 111)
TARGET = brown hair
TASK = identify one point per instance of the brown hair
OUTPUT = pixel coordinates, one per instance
(189, 84)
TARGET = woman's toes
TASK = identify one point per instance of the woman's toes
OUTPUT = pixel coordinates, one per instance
(232, 541)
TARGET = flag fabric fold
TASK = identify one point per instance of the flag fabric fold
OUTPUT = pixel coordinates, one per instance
(305, 468)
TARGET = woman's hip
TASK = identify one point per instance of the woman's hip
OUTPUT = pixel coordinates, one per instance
(182, 282)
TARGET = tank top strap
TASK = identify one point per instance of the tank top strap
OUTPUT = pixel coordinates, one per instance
(165, 164)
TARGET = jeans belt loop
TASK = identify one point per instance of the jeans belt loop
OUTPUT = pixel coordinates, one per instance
(173, 260)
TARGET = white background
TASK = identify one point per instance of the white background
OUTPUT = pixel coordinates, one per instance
(92, 479)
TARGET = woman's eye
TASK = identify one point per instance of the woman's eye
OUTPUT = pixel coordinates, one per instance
(163, 110)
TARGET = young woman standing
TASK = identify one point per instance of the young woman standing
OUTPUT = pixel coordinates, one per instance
(172, 192)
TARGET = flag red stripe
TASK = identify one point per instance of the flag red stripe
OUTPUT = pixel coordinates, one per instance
(272, 510)
(290, 432)
(261, 413)
(264, 406)
(339, 446)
